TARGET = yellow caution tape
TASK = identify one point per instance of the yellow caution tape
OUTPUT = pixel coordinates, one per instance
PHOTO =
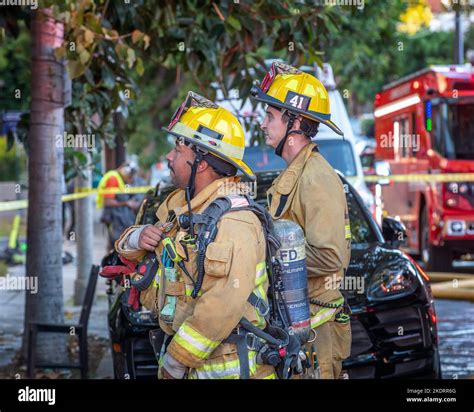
(116, 190)
(428, 178)
(80, 194)
(13, 205)
(85, 192)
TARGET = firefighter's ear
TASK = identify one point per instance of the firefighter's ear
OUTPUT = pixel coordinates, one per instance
(297, 123)
(204, 165)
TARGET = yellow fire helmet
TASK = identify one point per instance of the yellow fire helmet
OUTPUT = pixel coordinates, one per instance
(298, 92)
(212, 129)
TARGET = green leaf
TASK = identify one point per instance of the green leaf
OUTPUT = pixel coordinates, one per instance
(122, 50)
(81, 157)
(76, 68)
(84, 56)
(234, 22)
(131, 58)
(139, 67)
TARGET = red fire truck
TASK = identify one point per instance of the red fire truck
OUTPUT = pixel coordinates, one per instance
(424, 124)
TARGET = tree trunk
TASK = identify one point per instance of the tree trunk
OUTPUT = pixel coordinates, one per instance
(45, 168)
(84, 236)
(120, 150)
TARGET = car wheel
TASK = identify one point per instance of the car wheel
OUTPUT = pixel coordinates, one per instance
(434, 258)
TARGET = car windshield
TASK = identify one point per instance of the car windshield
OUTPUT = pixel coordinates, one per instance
(339, 154)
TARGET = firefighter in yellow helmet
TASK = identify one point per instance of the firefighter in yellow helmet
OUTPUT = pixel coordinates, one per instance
(200, 317)
(310, 193)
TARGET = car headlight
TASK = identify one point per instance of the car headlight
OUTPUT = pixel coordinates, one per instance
(392, 282)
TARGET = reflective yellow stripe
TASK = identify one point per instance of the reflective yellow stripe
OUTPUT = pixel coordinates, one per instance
(189, 290)
(260, 278)
(261, 273)
(224, 370)
(272, 376)
(261, 293)
(348, 231)
(156, 279)
(194, 342)
(325, 314)
(190, 348)
(321, 317)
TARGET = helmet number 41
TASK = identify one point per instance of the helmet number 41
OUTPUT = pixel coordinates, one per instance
(297, 101)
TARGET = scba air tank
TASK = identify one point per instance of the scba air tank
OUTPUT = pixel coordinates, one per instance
(294, 276)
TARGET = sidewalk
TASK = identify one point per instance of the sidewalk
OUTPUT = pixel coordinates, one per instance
(12, 303)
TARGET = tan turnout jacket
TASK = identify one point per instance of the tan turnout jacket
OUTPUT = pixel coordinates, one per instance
(234, 267)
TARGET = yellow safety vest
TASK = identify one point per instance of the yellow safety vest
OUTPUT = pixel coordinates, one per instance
(103, 183)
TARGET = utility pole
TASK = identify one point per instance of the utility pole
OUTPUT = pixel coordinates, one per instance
(84, 228)
(458, 38)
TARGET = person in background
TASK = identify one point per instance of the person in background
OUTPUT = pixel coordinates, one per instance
(119, 208)
(139, 181)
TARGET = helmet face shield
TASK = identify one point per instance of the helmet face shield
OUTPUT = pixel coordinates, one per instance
(192, 100)
(276, 69)
(268, 80)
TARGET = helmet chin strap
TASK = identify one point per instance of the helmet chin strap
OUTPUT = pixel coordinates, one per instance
(192, 177)
(191, 187)
(281, 145)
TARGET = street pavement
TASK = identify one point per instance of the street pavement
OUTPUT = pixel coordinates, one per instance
(12, 303)
(456, 337)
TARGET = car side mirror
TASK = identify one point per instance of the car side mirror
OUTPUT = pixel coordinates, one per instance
(393, 231)
(382, 168)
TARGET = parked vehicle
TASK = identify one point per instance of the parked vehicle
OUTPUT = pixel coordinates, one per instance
(423, 125)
